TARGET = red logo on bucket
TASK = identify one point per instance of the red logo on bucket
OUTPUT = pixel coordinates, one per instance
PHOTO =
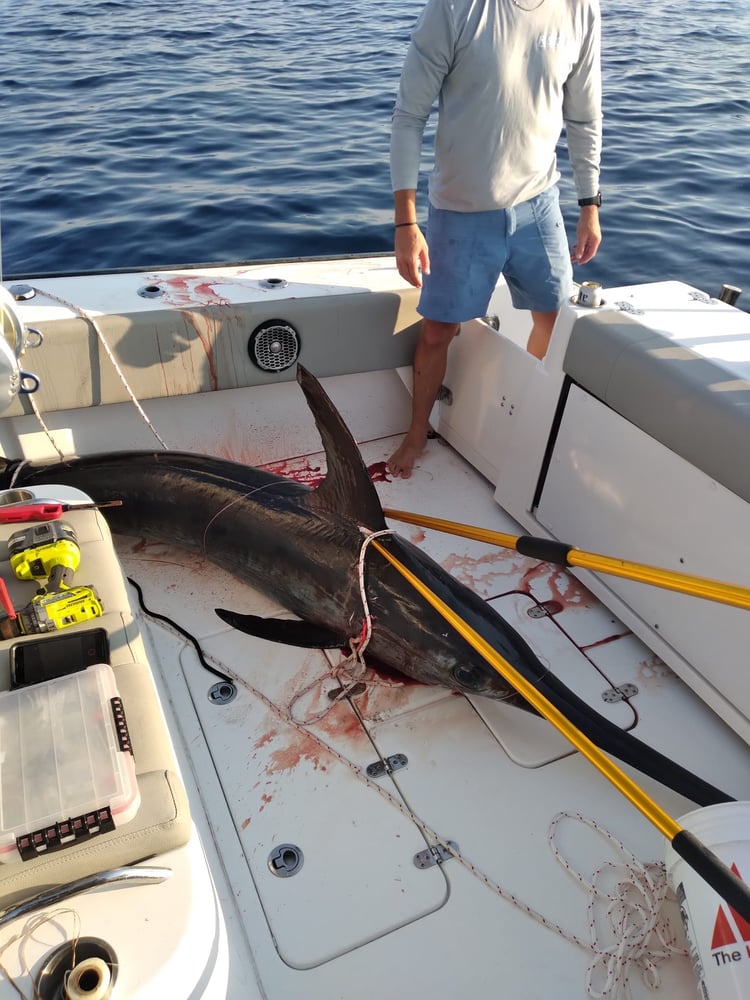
(729, 931)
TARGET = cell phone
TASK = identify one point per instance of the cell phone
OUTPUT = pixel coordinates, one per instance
(56, 656)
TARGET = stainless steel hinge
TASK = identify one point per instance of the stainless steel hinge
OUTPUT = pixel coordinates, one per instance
(545, 610)
(436, 854)
(615, 694)
(628, 307)
(393, 763)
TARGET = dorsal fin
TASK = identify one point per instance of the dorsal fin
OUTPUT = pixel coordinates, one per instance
(347, 489)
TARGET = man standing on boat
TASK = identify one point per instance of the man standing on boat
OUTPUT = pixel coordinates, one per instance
(508, 74)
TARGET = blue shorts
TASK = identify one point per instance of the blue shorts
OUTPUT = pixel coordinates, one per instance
(469, 251)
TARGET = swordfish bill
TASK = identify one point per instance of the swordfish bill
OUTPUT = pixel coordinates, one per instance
(300, 546)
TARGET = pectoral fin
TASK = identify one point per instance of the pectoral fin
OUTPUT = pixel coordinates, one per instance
(290, 632)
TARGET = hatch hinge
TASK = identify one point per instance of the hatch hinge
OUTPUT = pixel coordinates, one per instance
(393, 763)
(628, 307)
(436, 854)
(545, 609)
(620, 693)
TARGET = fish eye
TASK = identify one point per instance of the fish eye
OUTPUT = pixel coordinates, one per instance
(466, 676)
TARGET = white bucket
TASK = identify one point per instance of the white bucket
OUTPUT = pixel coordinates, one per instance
(719, 938)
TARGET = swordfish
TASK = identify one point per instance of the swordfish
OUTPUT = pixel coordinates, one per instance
(301, 546)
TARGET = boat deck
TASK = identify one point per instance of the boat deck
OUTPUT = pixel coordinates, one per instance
(281, 769)
(320, 816)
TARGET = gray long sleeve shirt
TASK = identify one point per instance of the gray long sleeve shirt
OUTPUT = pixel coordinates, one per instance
(507, 80)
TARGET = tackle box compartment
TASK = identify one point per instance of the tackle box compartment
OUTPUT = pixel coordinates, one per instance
(66, 766)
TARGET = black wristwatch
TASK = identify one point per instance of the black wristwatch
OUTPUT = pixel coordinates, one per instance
(596, 200)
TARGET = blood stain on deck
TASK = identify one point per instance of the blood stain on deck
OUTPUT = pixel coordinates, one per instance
(561, 587)
(300, 748)
(301, 470)
(190, 291)
(654, 673)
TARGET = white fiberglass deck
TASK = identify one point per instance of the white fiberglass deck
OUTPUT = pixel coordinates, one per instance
(360, 918)
(280, 771)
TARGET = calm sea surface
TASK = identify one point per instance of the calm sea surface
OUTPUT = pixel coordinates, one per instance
(155, 132)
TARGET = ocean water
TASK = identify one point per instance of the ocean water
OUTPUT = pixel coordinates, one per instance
(143, 133)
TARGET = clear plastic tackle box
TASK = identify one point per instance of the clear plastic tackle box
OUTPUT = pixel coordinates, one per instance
(66, 767)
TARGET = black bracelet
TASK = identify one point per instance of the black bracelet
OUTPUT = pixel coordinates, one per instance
(399, 225)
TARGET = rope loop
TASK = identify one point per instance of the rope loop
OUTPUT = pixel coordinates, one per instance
(637, 915)
(351, 671)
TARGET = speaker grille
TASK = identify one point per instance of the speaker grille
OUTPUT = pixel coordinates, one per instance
(274, 345)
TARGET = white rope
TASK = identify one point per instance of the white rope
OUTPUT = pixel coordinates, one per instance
(45, 428)
(27, 935)
(108, 351)
(16, 472)
(638, 918)
(352, 670)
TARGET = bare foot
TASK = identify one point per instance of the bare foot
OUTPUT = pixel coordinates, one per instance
(401, 462)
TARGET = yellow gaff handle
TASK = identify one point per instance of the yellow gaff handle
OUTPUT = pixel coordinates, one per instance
(610, 770)
(703, 861)
(561, 554)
